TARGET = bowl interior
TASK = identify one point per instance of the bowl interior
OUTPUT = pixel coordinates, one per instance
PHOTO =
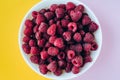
(94, 54)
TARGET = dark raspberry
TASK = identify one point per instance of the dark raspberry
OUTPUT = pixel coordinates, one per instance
(75, 69)
(62, 64)
(70, 6)
(35, 29)
(67, 17)
(26, 48)
(61, 56)
(93, 27)
(46, 36)
(38, 35)
(51, 21)
(94, 46)
(42, 11)
(50, 59)
(53, 7)
(59, 42)
(42, 62)
(41, 42)
(32, 43)
(88, 37)
(64, 23)
(62, 6)
(75, 15)
(77, 61)
(59, 30)
(43, 69)
(44, 55)
(68, 67)
(87, 47)
(79, 8)
(34, 50)
(70, 54)
(52, 30)
(28, 32)
(40, 18)
(43, 27)
(87, 59)
(48, 45)
(82, 33)
(77, 37)
(60, 12)
(72, 26)
(53, 51)
(34, 59)
(67, 36)
(86, 20)
(52, 39)
(34, 14)
(58, 72)
(52, 66)
(28, 24)
(26, 39)
(49, 15)
(78, 48)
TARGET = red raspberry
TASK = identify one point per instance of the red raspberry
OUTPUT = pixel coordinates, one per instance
(43, 69)
(86, 20)
(87, 47)
(28, 24)
(62, 64)
(70, 54)
(78, 48)
(34, 14)
(77, 37)
(94, 46)
(79, 8)
(59, 30)
(62, 6)
(93, 27)
(75, 69)
(34, 59)
(52, 30)
(44, 55)
(35, 29)
(32, 43)
(75, 15)
(67, 17)
(77, 61)
(40, 18)
(50, 59)
(53, 7)
(43, 27)
(26, 48)
(64, 23)
(28, 31)
(52, 66)
(53, 51)
(82, 33)
(38, 35)
(67, 36)
(88, 37)
(26, 39)
(42, 11)
(72, 26)
(58, 42)
(52, 39)
(61, 56)
(48, 45)
(34, 50)
(87, 59)
(70, 6)
(60, 12)
(51, 21)
(58, 72)
(42, 62)
(49, 15)
(68, 67)
(41, 42)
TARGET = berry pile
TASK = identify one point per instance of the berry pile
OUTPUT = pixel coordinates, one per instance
(60, 38)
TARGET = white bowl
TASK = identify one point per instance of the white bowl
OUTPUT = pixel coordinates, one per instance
(94, 54)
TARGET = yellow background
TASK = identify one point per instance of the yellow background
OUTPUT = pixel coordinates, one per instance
(12, 65)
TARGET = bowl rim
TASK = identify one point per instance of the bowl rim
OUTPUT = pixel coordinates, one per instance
(23, 55)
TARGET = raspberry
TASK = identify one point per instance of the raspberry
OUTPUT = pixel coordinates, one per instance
(72, 26)
(94, 46)
(87, 59)
(80, 27)
(43, 27)
(59, 30)
(61, 56)
(86, 20)
(35, 29)
(77, 37)
(26, 39)
(48, 45)
(75, 69)
(42, 62)
(67, 17)
(52, 39)
(67, 36)
(34, 59)
(28, 24)
(51, 21)
(78, 48)
(34, 14)
(40, 18)
(38, 35)
(46, 36)
(53, 7)
(77, 61)
(93, 27)
(87, 47)
(58, 42)
(26, 48)
(68, 67)
(70, 6)
(58, 72)
(75, 15)
(52, 66)
(42, 11)
(32, 43)
(79, 8)
(49, 15)
(64, 23)
(43, 69)
(44, 55)
(34, 50)
(62, 64)
(41, 42)
(52, 30)
(60, 12)
(62, 6)
(28, 32)
(70, 54)
(53, 51)
(82, 33)
(88, 37)
(50, 59)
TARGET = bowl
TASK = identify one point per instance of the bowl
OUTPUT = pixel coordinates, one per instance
(94, 54)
